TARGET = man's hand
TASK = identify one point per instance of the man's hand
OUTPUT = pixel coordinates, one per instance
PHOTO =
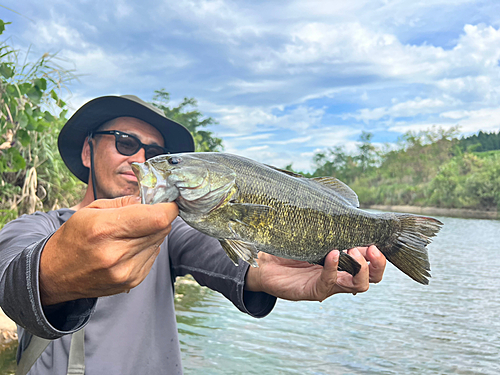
(105, 248)
(295, 280)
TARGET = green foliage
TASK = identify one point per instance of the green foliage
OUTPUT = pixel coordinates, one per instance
(419, 157)
(33, 176)
(192, 119)
(480, 142)
(348, 168)
(468, 181)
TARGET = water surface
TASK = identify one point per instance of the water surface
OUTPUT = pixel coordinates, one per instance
(398, 327)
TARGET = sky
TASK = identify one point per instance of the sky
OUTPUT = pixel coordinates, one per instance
(283, 79)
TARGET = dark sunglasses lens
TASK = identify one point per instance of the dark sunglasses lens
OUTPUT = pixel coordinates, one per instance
(127, 145)
(154, 151)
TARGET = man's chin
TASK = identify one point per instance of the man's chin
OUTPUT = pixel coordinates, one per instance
(119, 194)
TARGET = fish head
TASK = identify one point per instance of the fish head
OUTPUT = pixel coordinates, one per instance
(196, 184)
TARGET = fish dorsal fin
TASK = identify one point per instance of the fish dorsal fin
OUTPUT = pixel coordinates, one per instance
(290, 173)
(338, 187)
(331, 183)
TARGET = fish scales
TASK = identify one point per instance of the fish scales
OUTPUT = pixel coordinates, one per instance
(253, 207)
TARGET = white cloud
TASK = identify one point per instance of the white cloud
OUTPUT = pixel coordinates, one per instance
(49, 34)
(303, 140)
(256, 137)
(409, 108)
(123, 9)
(486, 119)
(257, 86)
(245, 120)
(242, 119)
(255, 148)
(352, 49)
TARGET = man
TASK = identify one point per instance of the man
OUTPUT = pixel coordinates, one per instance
(107, 264)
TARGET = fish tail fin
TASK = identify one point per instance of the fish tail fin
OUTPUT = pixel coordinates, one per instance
(408, 250)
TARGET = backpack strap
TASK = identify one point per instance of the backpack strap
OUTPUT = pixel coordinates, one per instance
(34, 350)
(76, 360)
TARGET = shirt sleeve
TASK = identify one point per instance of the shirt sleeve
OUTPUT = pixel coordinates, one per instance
(192, 252)
(21, 244)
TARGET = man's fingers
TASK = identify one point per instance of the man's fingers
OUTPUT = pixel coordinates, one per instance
(147, 219)
(329, 273)
(126, 219)
(328, 277)
(361, 280)
(377, 264)
(144, 260)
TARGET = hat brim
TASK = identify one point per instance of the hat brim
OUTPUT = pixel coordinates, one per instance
(100, 110)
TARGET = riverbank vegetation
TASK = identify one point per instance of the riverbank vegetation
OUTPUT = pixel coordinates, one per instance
(33, 175)
(428, 168)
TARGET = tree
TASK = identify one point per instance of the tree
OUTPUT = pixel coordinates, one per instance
(192, 119)
(367, 156)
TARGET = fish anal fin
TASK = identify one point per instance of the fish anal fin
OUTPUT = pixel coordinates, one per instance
(338, 187)
(346, 263)
(240, 249)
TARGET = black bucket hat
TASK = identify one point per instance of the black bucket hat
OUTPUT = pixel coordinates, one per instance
(100, 110)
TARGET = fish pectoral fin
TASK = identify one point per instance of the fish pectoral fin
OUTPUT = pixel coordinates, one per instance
(229, 251)
(240, 249)
(251, 214)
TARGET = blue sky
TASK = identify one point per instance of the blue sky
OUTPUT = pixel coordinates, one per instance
(283, 79)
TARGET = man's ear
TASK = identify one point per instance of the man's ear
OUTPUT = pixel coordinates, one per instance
(86, 153)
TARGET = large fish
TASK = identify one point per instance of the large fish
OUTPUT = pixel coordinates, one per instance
(251, 207)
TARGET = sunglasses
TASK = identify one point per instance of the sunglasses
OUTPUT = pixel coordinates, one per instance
(128, 145)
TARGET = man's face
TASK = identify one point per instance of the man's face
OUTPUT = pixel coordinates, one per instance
(113, 170)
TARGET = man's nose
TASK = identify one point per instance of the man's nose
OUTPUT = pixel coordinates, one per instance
(138, 157)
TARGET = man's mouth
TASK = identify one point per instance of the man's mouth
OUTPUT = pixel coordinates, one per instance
(129, 175)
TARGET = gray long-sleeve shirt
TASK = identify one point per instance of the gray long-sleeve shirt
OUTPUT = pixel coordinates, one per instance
(132, 333)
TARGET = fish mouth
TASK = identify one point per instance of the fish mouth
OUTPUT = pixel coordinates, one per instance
(153, 187)
(144, 175)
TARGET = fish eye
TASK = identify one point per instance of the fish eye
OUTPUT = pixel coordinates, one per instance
(174, 160)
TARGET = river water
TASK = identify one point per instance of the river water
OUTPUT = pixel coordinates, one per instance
(451, 326)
